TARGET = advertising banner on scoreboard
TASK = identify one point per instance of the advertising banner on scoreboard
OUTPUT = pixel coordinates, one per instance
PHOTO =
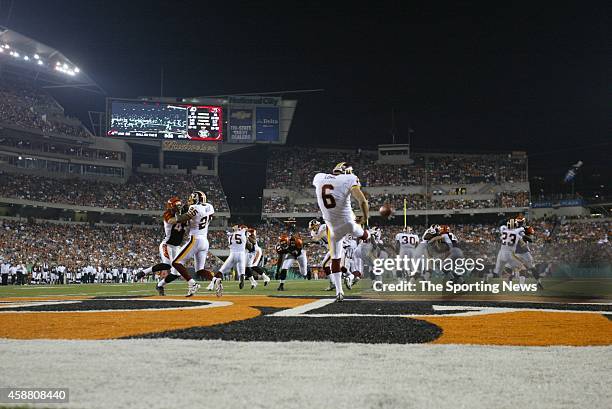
(241, 125)
(267, 124)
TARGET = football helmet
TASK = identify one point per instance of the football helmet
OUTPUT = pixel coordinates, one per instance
(444, 229)
(511, 224)
(407, 229)
(197, 197)
(342, 168)
(520, 220)
(283, 239)
(173, 204)
(314, 225)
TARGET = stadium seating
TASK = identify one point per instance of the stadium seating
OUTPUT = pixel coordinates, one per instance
(414, 202)
(142, 192)
(295, 168)
(24, 106)
(33, 244)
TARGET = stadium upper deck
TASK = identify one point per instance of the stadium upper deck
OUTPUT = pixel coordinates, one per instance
(442, 183)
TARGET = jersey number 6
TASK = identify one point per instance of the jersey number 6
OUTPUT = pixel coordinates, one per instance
(328, 200)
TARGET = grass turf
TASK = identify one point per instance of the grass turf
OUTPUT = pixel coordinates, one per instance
(586, 289)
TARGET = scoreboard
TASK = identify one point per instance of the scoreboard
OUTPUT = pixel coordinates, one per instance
(162, 120)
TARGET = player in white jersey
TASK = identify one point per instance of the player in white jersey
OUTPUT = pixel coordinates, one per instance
(254, 257)
(510, 235)
(318, 234)
(349, 264)
(237, 241)
(197, 218)
(422, 252)
(333, 192)
(406, 243)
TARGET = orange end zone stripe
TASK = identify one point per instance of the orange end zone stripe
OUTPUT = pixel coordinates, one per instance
(530, 328)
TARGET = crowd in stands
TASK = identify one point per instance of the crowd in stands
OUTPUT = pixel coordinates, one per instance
(141, 192)
(294, 168)
(108, 248)
(511, 199)
(37, 145)
(26, 106)
(414, 202)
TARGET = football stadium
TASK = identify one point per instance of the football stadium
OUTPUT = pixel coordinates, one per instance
(209, 205)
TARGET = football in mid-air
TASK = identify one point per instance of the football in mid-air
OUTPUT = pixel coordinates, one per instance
(386, 210)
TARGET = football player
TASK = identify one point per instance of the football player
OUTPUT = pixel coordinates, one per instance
(290, 250)
(422, 252)
(237, 240)
(318, 234)
(406, 243)
(349, 264)
(197, 218)
(510, 235)
(254, 258)
(523, 252)
(170, 245)
(333, 192)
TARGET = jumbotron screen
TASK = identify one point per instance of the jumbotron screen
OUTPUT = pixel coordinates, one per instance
(163, 120)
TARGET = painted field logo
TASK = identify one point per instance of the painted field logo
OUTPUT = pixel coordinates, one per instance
(262, 318)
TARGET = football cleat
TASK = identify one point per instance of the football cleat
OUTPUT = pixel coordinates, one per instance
(253, 285)
(266, 281)
(160, 290)
(241, 284)
(348, 282)
(192, 290)
(340, 297)
(219, 288)
(281, 287)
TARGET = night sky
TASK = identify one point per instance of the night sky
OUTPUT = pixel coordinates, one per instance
(469, 77)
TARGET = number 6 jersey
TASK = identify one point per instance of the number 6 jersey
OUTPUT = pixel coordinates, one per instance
(334, 197)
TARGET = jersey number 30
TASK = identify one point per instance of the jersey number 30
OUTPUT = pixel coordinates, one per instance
(328, 200)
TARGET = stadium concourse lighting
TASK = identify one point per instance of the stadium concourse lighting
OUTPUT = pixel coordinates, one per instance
(36, 57)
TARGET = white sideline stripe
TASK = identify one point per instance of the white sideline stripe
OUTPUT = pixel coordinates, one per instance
(34, 304)
(298, 311)
(198, 304)
(473, 311)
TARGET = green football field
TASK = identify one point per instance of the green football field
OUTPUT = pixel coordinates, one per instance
(578, 289)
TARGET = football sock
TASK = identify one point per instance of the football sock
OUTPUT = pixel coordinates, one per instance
(191, 281)
(253, 282)
(337, 280)
(148, 270)
(161, 283)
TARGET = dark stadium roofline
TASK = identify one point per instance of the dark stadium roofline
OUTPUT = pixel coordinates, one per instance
(372, 150)
(246, 94)
(51, 56)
